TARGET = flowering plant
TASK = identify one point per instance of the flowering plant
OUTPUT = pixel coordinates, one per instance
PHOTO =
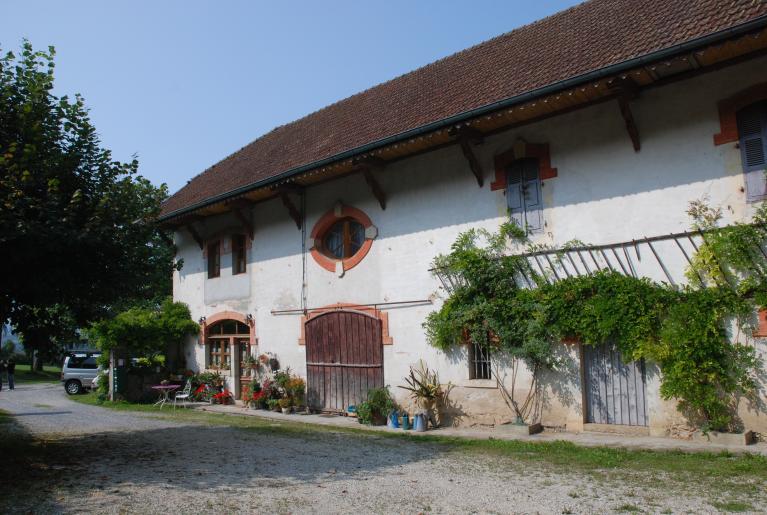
(223, 397)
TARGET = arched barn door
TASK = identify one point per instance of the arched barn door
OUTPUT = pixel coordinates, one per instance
(344, 359)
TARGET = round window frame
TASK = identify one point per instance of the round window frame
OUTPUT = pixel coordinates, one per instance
(325, 223)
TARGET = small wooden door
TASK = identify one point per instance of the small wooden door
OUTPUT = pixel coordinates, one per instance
(344, 359)
(615, 391)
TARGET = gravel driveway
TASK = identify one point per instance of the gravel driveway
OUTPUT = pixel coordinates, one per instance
(125, 462)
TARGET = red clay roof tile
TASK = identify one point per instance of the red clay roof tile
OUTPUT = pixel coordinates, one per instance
(582, 39)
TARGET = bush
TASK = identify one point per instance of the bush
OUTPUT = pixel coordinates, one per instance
(374, 410)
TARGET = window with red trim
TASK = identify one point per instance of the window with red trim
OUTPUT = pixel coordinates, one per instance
(342, 238)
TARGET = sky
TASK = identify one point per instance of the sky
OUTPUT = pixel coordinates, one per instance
(183, 84)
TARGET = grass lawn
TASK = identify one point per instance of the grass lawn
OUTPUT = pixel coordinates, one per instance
(742, 472)
(49, 374)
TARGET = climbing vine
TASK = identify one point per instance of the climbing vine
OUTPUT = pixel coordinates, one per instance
(691, 332)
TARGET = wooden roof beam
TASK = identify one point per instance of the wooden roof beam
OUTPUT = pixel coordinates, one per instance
(283, 191)
(467, 137)
(627, 90)
(241, 210)
(196, 235)
(294, 213)
(367, 166)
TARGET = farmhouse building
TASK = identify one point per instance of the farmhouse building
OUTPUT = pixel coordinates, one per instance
(315, 242)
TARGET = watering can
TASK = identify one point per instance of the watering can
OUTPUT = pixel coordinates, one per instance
(405, 421)
(393, 421)
(419, 423)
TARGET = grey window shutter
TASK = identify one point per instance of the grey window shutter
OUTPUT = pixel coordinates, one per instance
(532, 195)
(752, 128)
(514, 194)
(523, 194)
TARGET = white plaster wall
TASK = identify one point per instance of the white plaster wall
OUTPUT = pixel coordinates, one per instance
(604, 192)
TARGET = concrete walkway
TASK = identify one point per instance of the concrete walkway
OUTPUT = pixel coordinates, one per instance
(588, 439)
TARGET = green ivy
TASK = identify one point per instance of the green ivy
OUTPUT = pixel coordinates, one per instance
(684, 331)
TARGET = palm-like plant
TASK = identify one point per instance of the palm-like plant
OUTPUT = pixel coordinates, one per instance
(423, 384)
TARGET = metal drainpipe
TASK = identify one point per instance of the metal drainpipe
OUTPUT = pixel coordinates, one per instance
(304, 286)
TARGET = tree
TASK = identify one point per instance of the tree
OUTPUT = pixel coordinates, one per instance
(77, 228)
(145, 331)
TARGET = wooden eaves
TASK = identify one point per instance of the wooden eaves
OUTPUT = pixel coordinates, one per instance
(623, 88)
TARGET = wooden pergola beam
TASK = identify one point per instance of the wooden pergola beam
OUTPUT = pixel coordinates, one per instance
(467, 137)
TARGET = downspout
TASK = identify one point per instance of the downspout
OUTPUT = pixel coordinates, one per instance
(304, 286)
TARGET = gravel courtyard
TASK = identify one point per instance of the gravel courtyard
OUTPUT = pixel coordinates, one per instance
(93, 459)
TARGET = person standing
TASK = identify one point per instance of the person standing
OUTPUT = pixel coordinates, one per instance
(2, 373)
(11, 366)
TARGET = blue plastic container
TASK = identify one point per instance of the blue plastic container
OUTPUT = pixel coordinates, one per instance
(393, 421)
(405, 422)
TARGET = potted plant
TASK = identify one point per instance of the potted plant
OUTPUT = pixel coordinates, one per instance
(425, 389)
(285, 403)
(375, 409)
(273, 404)
(296, 390)
(250, 363)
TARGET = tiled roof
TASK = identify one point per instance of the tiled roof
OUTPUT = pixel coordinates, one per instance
(568, 44)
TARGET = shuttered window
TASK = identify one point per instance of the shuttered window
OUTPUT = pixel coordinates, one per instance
(239, 254)
(523, 194)
(214, 260)
(752, 128)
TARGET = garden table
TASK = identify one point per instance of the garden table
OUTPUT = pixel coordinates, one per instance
(164, 390)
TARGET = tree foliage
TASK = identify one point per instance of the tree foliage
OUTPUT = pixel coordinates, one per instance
(145, 331)
(77, 231)
(685, 331)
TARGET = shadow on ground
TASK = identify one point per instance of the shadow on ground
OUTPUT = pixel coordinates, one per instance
(188, 457)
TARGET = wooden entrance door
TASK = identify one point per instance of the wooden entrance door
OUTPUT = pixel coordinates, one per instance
(243, 351)
(344, 359)
(615, 391)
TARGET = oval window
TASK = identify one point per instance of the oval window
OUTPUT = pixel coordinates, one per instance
(343, 239)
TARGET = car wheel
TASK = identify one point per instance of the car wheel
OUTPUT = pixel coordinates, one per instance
(73, 387)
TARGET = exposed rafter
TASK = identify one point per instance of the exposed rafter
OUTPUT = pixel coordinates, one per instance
(196, 235)
(368, 166)
(627, 90)
(284, 191)
(241, 210)
(467, 138)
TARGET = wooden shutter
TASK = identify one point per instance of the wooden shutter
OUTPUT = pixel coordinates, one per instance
(523, 194)
(514, 194)
(532, 195)
(752, 127)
